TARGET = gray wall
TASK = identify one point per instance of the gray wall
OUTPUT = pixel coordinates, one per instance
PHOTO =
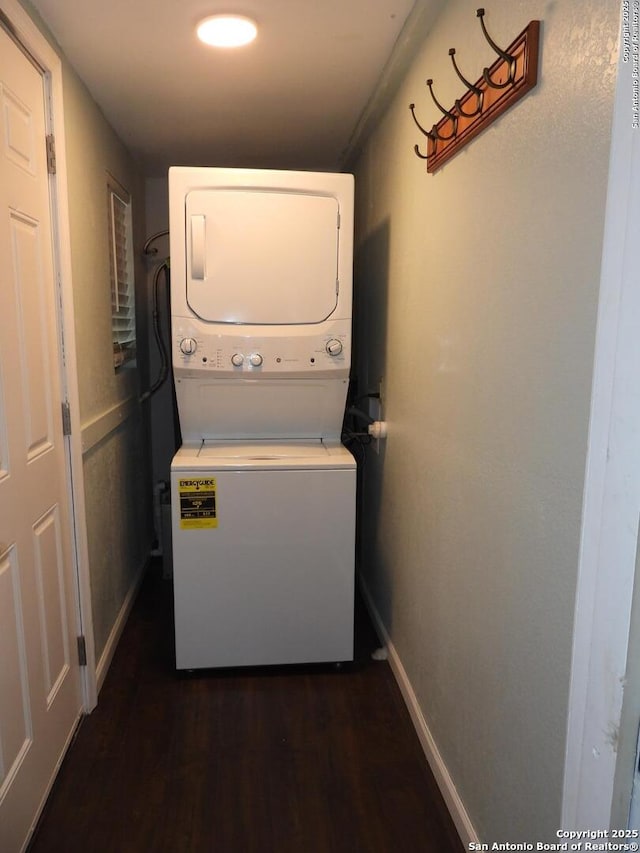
(476, 298)
(116, 467)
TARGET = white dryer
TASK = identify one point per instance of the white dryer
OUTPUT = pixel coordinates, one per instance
(263, 493)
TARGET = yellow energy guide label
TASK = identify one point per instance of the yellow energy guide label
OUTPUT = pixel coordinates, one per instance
(197, 503)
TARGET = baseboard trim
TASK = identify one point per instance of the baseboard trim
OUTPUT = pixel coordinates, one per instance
(118, 627)
(454, 803)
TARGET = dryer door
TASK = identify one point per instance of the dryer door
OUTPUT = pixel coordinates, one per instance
(260, 256)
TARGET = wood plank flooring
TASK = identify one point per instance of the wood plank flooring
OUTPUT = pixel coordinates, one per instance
(277, 760)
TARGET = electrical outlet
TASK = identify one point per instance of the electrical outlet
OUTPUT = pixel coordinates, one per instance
(375, 412)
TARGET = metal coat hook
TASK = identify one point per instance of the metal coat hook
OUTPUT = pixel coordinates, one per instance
(470, 86)
(453, 118)
(483, 101)
(427, 133)
(501, 53)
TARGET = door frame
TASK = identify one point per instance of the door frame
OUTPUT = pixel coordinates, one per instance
(609, 540)
(37, 45)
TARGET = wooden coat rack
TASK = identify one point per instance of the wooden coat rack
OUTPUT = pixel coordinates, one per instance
(510, 77)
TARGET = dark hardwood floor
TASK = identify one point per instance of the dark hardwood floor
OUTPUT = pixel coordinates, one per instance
(289, 760)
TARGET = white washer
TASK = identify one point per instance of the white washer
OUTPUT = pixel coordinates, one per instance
(263, 538)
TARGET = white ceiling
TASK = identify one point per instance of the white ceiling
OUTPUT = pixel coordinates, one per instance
(290, 100)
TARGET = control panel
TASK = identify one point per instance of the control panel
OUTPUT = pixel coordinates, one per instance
(195, 348)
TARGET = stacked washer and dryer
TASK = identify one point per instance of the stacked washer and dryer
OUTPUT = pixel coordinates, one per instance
(263, 491)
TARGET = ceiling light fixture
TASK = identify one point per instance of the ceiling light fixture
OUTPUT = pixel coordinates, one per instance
(227, 30)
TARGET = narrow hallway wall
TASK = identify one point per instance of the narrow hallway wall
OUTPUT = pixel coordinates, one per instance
(116, 463)
(476, 299)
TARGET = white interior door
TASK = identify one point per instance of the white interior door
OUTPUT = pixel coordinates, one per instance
(40, 698)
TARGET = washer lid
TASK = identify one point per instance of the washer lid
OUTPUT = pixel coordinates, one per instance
(263, 450)
(264, 455)
(256, 256)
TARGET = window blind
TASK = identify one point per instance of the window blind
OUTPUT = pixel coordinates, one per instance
(123, 321)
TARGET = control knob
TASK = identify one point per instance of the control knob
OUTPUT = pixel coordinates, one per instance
(237, 359)
(334, 346)
(188, 346)
(256, 359)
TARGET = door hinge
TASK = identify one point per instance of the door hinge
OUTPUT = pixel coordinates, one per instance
(66, 418)
(51, 154)
(338, 220)
(82, 650)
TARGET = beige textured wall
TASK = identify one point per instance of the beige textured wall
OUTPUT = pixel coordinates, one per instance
(116, 469)
(476, 297)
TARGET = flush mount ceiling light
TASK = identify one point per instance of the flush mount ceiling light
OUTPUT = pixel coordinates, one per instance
(227, 30)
